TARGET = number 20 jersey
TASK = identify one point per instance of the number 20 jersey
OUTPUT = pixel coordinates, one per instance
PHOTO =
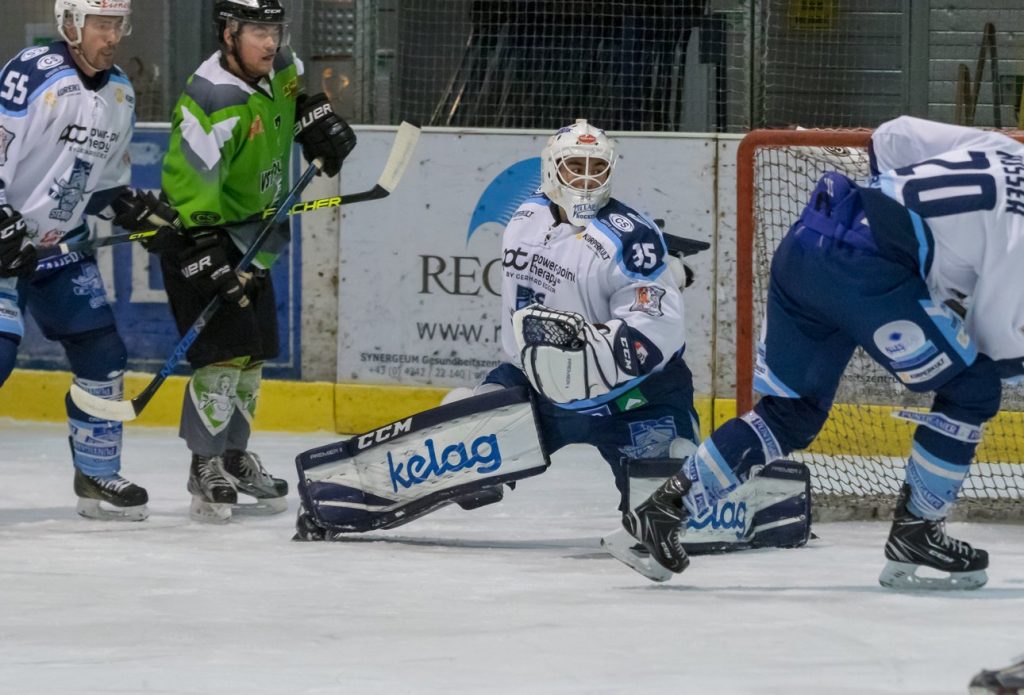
(60, 142)
(968, 186)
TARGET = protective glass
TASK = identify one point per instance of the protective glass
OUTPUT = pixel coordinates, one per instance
(104, 24)
(262, 31)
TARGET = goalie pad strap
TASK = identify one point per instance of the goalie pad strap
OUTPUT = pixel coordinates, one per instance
(406, 469)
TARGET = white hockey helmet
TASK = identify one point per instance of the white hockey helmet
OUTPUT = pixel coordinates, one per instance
(576, 170)
(78, 10)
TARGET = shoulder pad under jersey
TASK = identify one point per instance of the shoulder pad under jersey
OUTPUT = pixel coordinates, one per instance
(642, 246)
(29, 73)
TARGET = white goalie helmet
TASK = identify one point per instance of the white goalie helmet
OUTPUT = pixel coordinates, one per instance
(576, 170)
(78, 10)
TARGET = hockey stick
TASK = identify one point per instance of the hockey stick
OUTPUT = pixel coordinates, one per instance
(125, 410)
(407, 136)
(128, 237)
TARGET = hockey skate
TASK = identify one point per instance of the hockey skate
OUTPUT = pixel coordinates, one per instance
(245, 471)
(658, 524)
(1005, 681)
(915, 543)
(625, 548)
(122, 500)
(212, 494)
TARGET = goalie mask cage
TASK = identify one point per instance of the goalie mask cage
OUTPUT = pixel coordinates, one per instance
(857, 461)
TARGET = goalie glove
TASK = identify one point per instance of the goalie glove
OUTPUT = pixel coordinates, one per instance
(567, 358)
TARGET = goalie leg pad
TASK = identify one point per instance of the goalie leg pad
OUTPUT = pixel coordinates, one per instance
(771, 510)
(461, 452)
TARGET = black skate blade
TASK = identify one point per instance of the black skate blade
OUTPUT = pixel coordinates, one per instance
(902, 576)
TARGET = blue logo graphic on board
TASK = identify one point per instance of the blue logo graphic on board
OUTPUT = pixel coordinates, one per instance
(505, 193)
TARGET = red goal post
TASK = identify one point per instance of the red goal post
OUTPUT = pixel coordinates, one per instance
(857, 461)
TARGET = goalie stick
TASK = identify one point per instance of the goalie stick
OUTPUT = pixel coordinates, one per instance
(380, 190)
(125, 410)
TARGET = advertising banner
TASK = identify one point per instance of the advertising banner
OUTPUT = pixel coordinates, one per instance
(420, 281)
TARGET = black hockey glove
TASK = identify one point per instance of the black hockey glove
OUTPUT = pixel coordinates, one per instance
(206, 266)
(322, 133)
(17, 253)
(141, 211)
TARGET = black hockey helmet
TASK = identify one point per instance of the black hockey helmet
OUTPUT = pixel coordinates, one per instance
(254, 11)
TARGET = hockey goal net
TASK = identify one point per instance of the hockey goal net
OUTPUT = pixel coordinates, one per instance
(857, 461)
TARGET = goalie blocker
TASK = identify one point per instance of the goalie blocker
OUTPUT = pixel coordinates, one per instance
(462, 452)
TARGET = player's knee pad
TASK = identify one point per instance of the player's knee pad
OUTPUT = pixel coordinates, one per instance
(973, 395)
(8, 354)
(794, 422)
(406, 469)
(96, 355)
(946, 438)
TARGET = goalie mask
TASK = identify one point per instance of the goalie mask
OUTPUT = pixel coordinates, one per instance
(74, 12)
(576, 171)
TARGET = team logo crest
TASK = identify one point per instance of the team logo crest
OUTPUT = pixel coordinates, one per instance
(217, 405)
(271, 178)
(33, 53)
(256, 128)
(89, 284)
(525, 296)
(71, 191)
(6, 138)
(648, 300)
(50, 61)
(651, 438)
(621, 222)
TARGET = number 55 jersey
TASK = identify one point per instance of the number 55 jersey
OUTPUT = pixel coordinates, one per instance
(63, 137)
(967, 186)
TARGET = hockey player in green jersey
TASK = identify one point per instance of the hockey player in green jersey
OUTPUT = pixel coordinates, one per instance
(232, 135)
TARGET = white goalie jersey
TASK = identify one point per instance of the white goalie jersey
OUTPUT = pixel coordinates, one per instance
(968, 186)
(614, 268)
(60, 141)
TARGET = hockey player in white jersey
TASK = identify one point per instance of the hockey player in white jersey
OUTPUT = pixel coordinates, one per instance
(66, 118)
(920, 266)
(592, 320)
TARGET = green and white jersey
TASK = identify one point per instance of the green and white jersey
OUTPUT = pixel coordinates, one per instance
(229, 150)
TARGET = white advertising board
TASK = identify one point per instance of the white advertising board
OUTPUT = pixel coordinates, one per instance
(420, 272)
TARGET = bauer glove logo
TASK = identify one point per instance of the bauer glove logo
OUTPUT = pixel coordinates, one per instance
(197, 267)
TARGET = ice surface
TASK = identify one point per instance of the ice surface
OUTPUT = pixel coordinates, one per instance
(511, 598)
